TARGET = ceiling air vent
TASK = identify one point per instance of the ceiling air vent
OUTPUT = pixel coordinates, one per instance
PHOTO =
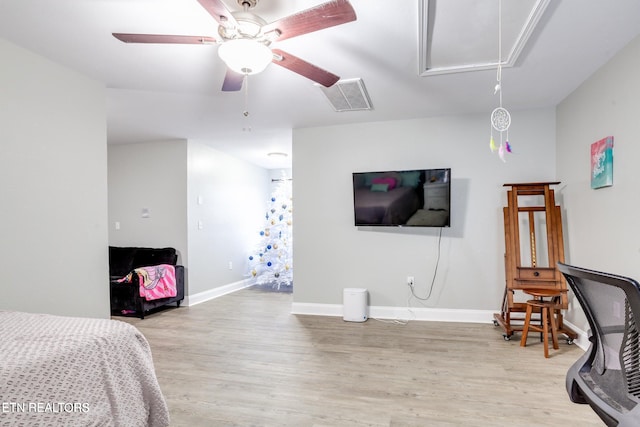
(347, 95)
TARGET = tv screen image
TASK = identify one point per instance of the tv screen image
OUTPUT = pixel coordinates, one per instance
(404, 198)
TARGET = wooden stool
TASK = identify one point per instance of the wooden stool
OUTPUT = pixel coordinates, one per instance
(548, 322)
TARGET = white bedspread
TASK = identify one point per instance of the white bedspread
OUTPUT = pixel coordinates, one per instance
(65, 371)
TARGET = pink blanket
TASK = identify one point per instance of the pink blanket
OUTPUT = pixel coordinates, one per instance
(158, 281)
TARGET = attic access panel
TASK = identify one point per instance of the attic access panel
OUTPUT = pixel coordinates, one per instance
(462, 35)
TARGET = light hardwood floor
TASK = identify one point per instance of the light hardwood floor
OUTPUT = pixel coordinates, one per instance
(244, 360)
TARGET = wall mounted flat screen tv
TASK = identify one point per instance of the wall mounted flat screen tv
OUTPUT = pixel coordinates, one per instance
(405, 198)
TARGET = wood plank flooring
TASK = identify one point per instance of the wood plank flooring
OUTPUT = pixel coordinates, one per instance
(244, 360)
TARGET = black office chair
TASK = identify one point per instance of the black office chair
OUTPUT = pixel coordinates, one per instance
(607, 376)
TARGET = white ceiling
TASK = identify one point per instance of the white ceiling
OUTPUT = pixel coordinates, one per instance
(173, 91)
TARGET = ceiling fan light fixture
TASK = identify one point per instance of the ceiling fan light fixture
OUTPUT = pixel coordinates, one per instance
(245, 56)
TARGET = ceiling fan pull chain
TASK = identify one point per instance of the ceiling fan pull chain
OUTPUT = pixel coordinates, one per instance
(245, 113)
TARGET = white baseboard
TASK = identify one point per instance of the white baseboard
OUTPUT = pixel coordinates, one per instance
(400, 313)
(582, 340)
(201, 297)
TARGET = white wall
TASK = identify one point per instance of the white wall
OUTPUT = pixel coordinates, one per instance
(332, 254)
(150, 176)
(233, 194)
(602, 226)
(53, 182)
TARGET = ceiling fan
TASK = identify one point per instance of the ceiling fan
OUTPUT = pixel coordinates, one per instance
(245, 39)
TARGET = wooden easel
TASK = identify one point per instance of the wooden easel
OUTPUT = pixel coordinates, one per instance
(524, 267)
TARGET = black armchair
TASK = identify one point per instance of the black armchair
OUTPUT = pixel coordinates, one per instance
(607, 376)
(125, 297)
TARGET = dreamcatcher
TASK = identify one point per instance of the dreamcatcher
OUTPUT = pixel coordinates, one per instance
(500, 117)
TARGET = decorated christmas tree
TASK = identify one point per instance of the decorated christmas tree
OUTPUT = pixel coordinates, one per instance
(271, 262)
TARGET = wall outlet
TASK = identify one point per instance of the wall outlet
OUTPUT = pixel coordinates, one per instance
(410, 281)
(230, 265)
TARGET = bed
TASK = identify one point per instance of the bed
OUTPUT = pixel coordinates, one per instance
(429, 218)
(57, 371)
(392, 207)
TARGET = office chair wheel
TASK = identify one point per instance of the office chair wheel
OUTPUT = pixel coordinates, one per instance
(495, 323)
(569, 341)
(506, 337)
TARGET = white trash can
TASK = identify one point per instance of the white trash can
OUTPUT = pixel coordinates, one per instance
(355, 305)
